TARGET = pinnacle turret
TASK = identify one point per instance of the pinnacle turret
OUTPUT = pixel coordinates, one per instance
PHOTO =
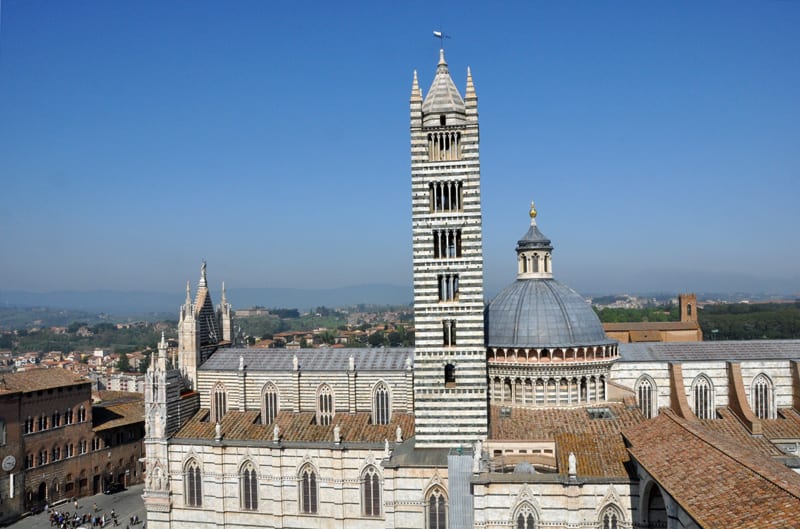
(416, 93)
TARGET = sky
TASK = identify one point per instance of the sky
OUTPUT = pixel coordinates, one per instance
(660, 141)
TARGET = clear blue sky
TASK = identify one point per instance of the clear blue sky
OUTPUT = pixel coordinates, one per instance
(660, 140)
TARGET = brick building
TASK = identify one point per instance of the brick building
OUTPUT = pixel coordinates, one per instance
(55, 444)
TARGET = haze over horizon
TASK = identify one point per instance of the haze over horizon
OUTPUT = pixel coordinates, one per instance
(661, 142)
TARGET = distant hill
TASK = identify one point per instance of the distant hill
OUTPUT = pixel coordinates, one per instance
(122, 303)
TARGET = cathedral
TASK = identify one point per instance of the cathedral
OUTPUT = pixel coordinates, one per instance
(518, 414)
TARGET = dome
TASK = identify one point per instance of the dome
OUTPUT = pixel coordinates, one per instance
(542, 313)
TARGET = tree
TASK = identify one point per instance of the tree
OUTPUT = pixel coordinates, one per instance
(376, 339)
(327, 336)
(145, 362)
(123, 364)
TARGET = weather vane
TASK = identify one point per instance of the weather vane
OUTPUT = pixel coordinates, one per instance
(441, 36)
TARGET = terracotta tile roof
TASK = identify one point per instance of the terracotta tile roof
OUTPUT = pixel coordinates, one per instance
(719, 482)
(38, 379)
(545, 423)
(728, 424)
(597, 455)
(117, 414)
(651, 326)
(297, 427)
(786, 426)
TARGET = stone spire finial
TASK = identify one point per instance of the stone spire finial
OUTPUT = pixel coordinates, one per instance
(161, 360)
(416, 92)
(442, 62)
(224, 300)
(470, 85)
(203, 282)
(188, 294)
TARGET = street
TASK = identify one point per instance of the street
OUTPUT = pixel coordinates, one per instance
(126, 504)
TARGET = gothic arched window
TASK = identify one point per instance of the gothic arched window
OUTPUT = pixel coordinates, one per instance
(81, 414)
(436, 507)
(703, 397)
(381, 404)
(308, 490)
(761, 397)
(219, 402)
(269, 403)
(326, 405)
(68, 416)
(248, 487)
(610, 518)
(525, 517)
(645, 392)
(192, 484)
(371, 491)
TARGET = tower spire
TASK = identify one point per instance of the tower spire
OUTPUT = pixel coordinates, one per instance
(470, 86)
(188, 294)
(224, 299)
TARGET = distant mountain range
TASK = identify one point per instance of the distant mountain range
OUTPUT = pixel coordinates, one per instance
(138, 302)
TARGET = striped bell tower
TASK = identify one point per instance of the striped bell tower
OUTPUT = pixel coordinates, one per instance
(450, 387)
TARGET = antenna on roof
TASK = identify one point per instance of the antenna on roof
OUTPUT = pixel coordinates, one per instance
(441, 36)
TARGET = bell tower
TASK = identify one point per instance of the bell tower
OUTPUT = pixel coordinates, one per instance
(450, 387)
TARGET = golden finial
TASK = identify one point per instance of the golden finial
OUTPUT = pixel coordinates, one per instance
(533, 210)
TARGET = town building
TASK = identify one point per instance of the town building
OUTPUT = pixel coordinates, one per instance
(523, 413)
(686, 330)
(56, 444)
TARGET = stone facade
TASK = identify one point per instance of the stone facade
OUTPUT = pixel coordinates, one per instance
(529, 418)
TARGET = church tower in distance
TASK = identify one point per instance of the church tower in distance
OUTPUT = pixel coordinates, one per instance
(450, 388)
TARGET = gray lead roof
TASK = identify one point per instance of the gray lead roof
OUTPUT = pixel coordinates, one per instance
(542, 313)
(323, 359)
(699, 351)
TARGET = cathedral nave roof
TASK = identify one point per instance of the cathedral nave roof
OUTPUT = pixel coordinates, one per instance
(297, 427)
(321, 359)
(701, 351)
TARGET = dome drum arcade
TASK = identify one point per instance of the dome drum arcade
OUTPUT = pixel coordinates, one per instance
(545, 344)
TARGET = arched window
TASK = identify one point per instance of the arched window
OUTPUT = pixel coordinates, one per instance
(326, 405)
(525, 517)
(308, 490)
(610, 518)
(761, 397)
(248, 487)
(82, 446)
(56, 455)
(703, 397)
(81, 414)
(56, 420)
(381, 404)
(645, 396)
(449, 376)
(219, 402)
(68, 416)
(269, 403)
(192, 484)
(436, 505)
(371, 491)
(3, 433)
